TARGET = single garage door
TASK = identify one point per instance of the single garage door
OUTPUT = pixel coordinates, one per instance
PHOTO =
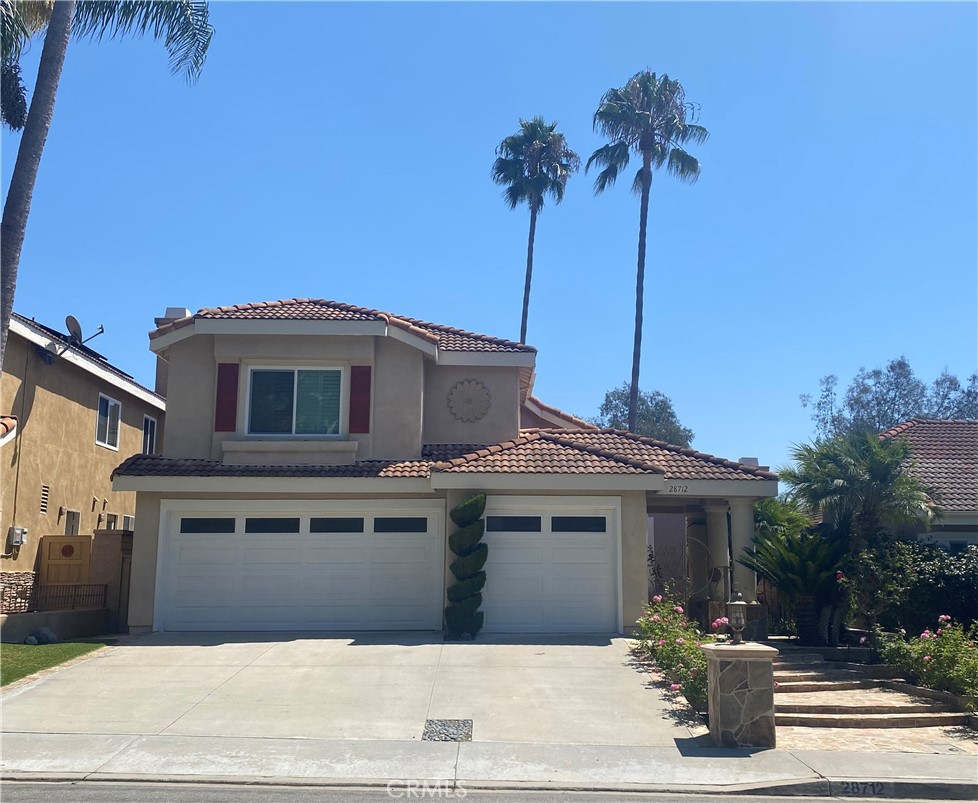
(551, 570)
(339, 568)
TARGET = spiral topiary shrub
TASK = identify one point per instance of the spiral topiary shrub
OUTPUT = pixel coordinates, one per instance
(462, 614)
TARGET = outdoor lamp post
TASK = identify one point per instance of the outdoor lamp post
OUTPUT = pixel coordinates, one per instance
(737, 614)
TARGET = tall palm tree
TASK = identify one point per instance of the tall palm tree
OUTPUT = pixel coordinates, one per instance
(648, 116)
(860, 484)
(533, 163)
(184, 27)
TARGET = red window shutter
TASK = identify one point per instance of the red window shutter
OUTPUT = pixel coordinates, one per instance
(226, 409)
(360, 399)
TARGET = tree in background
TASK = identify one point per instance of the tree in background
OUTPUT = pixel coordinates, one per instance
(881, 398)
(648, 117)
(532, 164)
(655, 418)
(185, 30)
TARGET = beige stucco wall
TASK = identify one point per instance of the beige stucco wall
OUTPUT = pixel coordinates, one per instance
(500, 423)
(397, 393)
(55, 445)
(190, 392)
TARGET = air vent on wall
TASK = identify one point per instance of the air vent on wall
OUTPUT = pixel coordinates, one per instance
(45, 495)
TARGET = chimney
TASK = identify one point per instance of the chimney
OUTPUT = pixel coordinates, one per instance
(753, 462)
(162, 367)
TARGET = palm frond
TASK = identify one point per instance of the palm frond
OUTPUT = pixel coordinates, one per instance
(15, 28)
(13, 96)
(613, 157)
(183, 26)
(684, 166)
(534, 163)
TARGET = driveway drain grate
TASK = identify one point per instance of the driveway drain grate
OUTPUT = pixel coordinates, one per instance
(447, 730)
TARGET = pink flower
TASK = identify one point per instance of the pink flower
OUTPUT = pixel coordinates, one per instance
(902, 631)
(939, 631)
(656, 618)
(675, 687)
(657, 598)
(680, 641)
(943, 618)
(862, 640)
(926, 658)
(661, 642)
(678, 609)
(840, 576)
(925, 635)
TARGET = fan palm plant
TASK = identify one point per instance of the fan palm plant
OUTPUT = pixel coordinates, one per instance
(803, 567)
(859, 484)
(182, 25)
(650, 118)
(532, 164)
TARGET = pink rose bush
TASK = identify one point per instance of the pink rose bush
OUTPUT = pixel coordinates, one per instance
(945, 659)
(672, 642)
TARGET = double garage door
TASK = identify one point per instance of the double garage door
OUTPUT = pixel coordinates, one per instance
(382, 566)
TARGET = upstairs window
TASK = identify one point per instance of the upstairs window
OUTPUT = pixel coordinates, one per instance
(294, 401)
(149, 435)
(107, 428)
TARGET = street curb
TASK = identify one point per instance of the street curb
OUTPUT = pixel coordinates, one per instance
(816, 787)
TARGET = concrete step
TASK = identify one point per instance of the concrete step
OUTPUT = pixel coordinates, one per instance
(799, 657)
(816, 674)
(789, 686)
(908, 720)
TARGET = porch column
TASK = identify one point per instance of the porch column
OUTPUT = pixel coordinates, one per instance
(716, 537)
(741, 538)
(697, 556)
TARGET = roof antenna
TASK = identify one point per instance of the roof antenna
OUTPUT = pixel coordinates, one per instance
(75, 330)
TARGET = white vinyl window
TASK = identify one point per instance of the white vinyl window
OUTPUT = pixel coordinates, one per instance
(149, 435)
(299, 401)
(109, 416)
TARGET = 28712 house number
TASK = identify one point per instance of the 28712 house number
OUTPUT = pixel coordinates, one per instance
(679, 489)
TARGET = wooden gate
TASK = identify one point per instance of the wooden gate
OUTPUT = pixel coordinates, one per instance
(65, 559)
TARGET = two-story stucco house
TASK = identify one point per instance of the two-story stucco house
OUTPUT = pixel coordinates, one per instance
(314, 448)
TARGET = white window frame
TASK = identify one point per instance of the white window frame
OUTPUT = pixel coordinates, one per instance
(155, 424)
(111, 401)
(344, 373)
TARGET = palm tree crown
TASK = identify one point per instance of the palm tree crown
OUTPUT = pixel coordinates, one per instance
(648, 116)
(531, 164)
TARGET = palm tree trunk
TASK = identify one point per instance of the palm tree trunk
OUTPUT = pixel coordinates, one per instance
(639, 291)
(35, 134)
(529, 269)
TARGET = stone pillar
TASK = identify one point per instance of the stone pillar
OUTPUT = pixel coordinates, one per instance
(741, 538)
(697, 557)
(741, 694)
(716, 536)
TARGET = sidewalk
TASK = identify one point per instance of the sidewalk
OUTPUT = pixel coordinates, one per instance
(489, 765)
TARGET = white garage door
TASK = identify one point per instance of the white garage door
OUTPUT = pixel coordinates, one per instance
(551, 570)
(352, 567)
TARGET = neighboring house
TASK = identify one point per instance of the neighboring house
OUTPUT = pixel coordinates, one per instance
(944, 457)
(72, 415)
(314, 450)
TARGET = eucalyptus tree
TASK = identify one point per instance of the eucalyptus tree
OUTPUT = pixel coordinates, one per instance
(182, 25)
(532, 164)
(650, 118)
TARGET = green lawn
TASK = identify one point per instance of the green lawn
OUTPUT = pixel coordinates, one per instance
(20, 660)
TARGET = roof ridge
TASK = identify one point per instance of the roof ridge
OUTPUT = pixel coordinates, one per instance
(485, 451)
(597, 451)
(454, 330)
(561, 413)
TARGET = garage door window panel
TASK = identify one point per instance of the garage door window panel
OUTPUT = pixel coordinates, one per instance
(400, 524)
(294, 401)
(514, 524)
(579, 524)
(206, 525)
(336, 525)
(271, 525)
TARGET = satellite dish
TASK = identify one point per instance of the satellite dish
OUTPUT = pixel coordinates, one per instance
(74, 329)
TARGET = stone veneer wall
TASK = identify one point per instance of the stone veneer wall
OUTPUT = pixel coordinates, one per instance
(741, 695)
(15, 591)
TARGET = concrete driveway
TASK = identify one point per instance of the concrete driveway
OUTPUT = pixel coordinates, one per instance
(532, 690)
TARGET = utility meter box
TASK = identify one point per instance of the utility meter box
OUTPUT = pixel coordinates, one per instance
(18, 536)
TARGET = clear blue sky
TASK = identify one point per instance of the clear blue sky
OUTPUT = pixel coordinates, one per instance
(343, 151)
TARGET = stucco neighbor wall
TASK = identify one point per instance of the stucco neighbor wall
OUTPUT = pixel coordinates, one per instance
(190, 391)
(57, 407)
(500, 423)
(397, 391)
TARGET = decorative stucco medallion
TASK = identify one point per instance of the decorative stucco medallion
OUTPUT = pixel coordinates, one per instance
(469, 400)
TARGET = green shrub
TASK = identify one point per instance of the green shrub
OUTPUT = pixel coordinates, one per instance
(945, 658)
(467, 588)
(468, 605)
(464, 540)
(464, 567)
(457, 623)
(672, 642)
(469, 511)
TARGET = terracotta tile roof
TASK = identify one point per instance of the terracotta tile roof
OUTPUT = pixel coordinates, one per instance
(8, 423)
(599, 451)
(447, 338)
(142, 465)
(944, 456)
(572, 420)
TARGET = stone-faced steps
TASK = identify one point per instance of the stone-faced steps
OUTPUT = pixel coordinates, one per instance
(858, 701)
(789, 686)
(911, 720)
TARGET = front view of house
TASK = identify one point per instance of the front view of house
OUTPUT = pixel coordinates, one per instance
(314, 450)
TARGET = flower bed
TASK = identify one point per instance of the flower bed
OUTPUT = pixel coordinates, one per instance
(672, 643)
(945, 659)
